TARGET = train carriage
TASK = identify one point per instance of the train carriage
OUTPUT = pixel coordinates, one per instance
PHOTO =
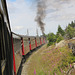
(6, 54)
(38, 41)
(17, 47)
(13, 47)
(33, 44)
(26, 45)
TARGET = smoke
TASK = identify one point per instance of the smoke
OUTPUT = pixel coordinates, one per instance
(41, 14)
(43, 6)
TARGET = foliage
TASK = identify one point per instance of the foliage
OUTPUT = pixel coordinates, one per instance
(51, 38)
(59, 39)
(60, 31)
(51, 61)
(70, 32)
(72, 24)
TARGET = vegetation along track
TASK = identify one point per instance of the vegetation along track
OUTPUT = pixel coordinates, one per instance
(52, 60)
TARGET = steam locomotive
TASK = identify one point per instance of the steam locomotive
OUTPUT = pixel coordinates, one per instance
(13, 47)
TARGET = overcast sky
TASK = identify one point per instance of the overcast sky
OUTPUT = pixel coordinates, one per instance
(22, 14)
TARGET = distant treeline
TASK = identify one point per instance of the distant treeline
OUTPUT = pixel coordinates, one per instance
(61, 34)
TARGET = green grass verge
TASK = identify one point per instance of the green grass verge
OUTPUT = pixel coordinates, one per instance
(51, 61)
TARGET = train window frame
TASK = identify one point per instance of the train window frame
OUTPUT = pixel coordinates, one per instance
(2, 46)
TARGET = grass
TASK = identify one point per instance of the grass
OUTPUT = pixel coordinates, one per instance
(51, 61)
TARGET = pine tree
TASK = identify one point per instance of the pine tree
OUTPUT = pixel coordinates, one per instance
(70, 31)
(60, 31)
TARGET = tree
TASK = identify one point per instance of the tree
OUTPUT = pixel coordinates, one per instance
(72, 24)
(70, 32)
(51, 38)
(60, 31)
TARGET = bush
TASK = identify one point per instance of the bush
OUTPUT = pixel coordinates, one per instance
(70, 32)
(59, 39)
(51, 38)
(50, 43)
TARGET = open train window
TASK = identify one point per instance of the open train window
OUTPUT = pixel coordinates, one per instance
(2, 45)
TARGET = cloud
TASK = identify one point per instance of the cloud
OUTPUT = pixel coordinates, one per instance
(22, 15)
(18, 27)
(62, 10)
(51, 10)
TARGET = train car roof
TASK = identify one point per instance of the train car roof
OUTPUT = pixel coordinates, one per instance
(25, 36)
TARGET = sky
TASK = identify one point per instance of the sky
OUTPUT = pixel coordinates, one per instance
(22, 14)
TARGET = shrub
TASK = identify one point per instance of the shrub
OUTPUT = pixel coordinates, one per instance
(51, 38)
(59, 39)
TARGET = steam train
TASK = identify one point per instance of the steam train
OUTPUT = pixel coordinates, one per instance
(13, 47)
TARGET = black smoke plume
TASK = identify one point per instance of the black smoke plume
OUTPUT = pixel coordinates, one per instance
(41, 13)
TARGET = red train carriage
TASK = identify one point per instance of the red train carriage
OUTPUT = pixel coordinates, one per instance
(22, 45)
(13, 47)
(38, 41)
(17, 48)
(33, 43)
(26, 45)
